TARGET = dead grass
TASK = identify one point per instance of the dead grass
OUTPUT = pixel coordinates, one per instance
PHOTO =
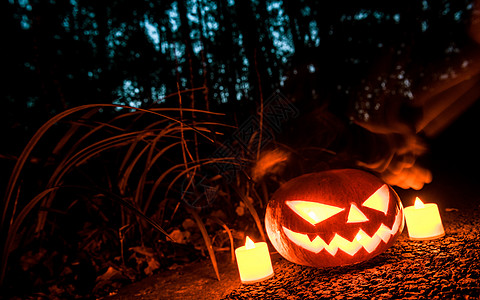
(153, 158)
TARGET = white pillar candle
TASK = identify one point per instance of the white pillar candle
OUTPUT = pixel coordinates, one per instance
(254, 263)
(423, 221)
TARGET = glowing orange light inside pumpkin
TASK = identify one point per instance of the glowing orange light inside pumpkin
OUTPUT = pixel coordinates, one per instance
(379, 200)
(358, 237)
(253, 261)
(423, 221)
(333, 218)
(361, 240)
(313, 212)
(355, 215)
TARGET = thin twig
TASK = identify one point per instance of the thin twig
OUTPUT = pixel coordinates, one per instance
(261, 105)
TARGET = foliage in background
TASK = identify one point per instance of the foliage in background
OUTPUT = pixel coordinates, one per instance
(61, 55)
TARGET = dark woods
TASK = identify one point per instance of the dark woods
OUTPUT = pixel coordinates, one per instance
(226, 100)
(60, 55)
(229, 55)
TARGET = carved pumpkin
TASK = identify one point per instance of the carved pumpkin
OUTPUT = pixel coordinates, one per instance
(333, 218)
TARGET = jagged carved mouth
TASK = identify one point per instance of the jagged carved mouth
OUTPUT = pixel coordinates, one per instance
(361, 240)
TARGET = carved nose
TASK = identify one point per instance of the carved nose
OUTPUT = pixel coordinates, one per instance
(355, 215)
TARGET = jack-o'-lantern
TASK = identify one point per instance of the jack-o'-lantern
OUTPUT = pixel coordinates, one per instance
(333, 218)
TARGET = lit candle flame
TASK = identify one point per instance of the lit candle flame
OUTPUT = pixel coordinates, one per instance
(418, 203)
(423, 221)
(249, 244)
(253, 261)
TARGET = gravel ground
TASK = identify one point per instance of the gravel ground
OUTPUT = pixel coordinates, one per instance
(447, 268)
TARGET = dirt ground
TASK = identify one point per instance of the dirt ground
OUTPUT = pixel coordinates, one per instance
(448, 267)
(195, 280)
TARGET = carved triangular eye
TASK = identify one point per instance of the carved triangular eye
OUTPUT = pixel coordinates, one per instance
(355, 215)
(379, 200)
(313, 212)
